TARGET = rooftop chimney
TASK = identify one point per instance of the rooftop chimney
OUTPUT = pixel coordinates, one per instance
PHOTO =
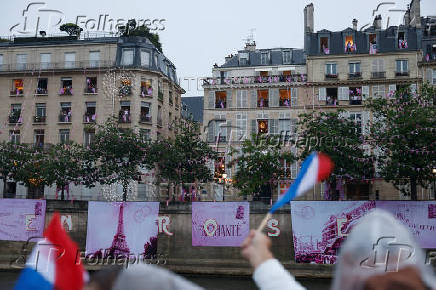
(308, 18)
(250, 45)
(377, 22)
(355, 24)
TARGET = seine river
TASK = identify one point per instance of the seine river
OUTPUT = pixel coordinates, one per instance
(7, 281)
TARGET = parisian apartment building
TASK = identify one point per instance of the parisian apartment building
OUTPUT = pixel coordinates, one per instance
(264, 90)
(54, 88)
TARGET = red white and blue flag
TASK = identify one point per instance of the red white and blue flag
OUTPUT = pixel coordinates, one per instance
(54, 262)
(315, 168)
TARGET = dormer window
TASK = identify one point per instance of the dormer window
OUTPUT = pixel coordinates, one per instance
(264, 58)
(324, 45)
(350, 45)
(243, 58)
(287, 56)
(372, 43)
(402, 42)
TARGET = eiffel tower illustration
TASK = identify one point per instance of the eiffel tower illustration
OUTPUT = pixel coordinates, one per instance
(119, 245)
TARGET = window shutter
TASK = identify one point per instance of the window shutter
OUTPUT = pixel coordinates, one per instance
(274, 97)
(365, 92)
(322, 94)
(244, 98)
(294, 97)
(229, 99)
(253, 129)
(229, 130)
(211, 131)
(374, 67)
(413, 88)
(253, 99)
(273, 126)
(344, 94)
(211, 101)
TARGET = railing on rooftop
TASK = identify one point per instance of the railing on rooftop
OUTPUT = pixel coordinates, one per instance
(256, 79)
(55, 66)
(59, 37)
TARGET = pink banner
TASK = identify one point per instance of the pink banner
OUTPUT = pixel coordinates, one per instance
(221, 224)
(122, 229)
(418, 216)
(21, 219)
(320, 227)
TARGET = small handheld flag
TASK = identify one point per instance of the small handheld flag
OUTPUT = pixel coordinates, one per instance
(315, 168)
(53, 263)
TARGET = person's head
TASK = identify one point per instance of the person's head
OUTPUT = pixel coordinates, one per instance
(378, 254)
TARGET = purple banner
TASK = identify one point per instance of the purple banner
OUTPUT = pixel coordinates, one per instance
(21, 219)
(122, 229)
(220, 224)
(320, 227)
(418, 216)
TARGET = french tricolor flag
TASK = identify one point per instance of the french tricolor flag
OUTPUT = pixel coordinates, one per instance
(54, 262)
(315, 168)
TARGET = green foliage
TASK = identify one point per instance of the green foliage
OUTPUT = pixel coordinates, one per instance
(182, 159)
(32, 170)
(404, 134)
(336, 136)
(144, 31)
(115, 156)
(71, 28)
(259, 166)
(11, 159)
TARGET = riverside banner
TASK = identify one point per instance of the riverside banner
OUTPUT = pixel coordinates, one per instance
(121, 229)
(418, 216)
(320, 227)
(220, 224)
(21, 219)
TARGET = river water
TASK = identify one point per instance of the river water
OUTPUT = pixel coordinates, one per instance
(7, 281)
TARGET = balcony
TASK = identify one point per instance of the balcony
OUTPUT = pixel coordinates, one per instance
(65, 118)
(220, 105)
(331, 76)
(90, 91)
(146, 92)
(402, 74)
(294, 78)
(15, 119)
(355, 75)
(75, 65)
(378, 75)
(262, 103)
(39, 119)
(16, 93)
(145, 118)
(355, 102)
(66, 91)
(41, 92)
(89, 118)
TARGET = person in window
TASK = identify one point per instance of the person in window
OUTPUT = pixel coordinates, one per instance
(348, 47)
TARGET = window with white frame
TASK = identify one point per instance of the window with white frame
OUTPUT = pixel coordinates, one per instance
(14, 136)
(378, 91)
(243, 58)
(354, 67)
(145, 58)
(330, 68)
(357, 119)
(287, 56)
(241, 98)
(402, 66)
(94, 58)
(127, 56)
(88, 136)
(64, 136)
(21, 61)
(45, 59)
(70, 59)
(264, 58)
(241, 124)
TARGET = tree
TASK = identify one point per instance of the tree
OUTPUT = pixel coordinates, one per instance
(259, 164)
(64, 165)
(404, 135)
(115, 156)
(338, 137)
(71, 28)
(182, 159)
(144, 31)
(11, 158)
(32, 169)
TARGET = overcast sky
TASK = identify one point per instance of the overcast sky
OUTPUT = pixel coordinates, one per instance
(198, 34)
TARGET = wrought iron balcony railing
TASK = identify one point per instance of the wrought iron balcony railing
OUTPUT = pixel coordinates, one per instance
(256, 79)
